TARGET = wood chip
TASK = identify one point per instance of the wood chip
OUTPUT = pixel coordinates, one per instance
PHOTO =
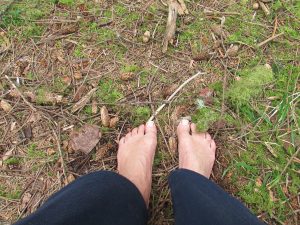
(85, 139)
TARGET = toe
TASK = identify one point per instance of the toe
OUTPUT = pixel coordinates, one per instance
(134, 131)
(141, 129)
(128, 135)
(151, 129)
(193, 128)
(122, 141)
(183, 128)
(207, 136)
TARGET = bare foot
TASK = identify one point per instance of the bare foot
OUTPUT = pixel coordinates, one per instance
(196, 150)
(135, 157)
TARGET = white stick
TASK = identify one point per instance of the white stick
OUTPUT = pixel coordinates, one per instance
(175, 92)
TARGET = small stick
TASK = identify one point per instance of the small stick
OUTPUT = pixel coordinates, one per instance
(20, 93)
(175, 92)
(269, 39)
(264, 8)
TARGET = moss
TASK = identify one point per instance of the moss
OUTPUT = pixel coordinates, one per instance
(33, 152)
(204, 118)
(67, 2)
(41, 94)
(129, 68)
(12, 161)
(108, 92)
(141, 114)
(11, 194)
(249, 86)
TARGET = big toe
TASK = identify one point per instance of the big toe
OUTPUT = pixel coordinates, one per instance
(150, 129)
(183, 128)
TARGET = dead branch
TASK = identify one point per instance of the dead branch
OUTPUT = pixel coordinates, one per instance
(171, 25)
(173, 95)
(269, 39)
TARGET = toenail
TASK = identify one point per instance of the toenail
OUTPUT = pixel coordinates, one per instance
(184, 122)
(150, 124)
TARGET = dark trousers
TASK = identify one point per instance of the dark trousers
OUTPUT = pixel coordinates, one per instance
(106, 198)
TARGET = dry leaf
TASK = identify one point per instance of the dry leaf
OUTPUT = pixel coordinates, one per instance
(127, 76)
(69, 179)
(66, 80)
(113, 122)
(30, 95)
(102, 151)
(146, 36)
(5, 106)
(202, 56)
(182, 9)
(77, 75)
(82, 102)
(85, 139)
(94, 107)
(6, 156)
(27, 131)
(173, 144)
(79, 93)
(169, 90)
(232, 51)
(105, 117)
(50, 151)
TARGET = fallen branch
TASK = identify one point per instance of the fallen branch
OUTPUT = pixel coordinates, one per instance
(171, 25)
(269, 39)
(173, 95)
(20, 93)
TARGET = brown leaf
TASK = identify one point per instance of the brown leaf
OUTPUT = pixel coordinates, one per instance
(5, 106)
(113, 122)
(102, 151)
(168, 90)
(27, 131)
(69, 179)
(232, 50)
(104, 116)
(127, 76)
(85, 139)
(66, 80)
(83, 101)
(77, 75)
(206, 92)
(202, 56)
(79, 93)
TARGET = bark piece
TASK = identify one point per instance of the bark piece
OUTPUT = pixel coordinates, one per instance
(85, 139)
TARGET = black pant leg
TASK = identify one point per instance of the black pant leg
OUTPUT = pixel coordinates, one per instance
(197, 200)
(99, 198)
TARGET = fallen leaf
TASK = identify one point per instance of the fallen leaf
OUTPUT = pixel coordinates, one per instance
(82, 102)
(127, 76)
(232, 51)
(6, 156)
(77, 75)
(5, 106)
(27, 131)
(202, 56)
(206, 92)
(113, 122)
(169, 90)
(85, 139)
(50, 151)
(104, 116)
(66, 80)
(102, 151)
(79, 93)
(69, 179)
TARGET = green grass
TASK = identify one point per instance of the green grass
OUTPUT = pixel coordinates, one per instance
(10, 194)
(140, 115)
(33, 152)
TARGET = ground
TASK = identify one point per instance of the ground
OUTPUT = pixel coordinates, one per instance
(56, 51)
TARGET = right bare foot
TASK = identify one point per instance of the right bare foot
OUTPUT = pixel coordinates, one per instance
(196, 150)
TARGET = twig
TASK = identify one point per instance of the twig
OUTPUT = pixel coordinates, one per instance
(175, 92)
(20, 93)
(269, 39)
(264, 8)
(60, 153)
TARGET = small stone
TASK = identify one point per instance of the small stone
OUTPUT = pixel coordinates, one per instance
(255, 6)
(146, 36)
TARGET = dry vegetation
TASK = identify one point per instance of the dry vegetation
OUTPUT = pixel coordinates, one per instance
(56, 53)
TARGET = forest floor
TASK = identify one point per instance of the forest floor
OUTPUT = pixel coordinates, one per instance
(56, 53)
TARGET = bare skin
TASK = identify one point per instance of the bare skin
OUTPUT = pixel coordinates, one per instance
(137, 149)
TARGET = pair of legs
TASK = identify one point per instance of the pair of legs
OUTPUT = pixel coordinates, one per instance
(107, 198)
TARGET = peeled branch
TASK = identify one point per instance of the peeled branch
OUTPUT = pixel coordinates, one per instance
(171, 25)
